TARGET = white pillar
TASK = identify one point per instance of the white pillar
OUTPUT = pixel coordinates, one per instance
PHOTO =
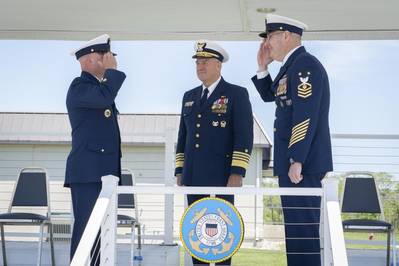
(169, 181)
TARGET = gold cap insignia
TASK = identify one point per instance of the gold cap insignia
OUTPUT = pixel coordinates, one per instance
(200, 46)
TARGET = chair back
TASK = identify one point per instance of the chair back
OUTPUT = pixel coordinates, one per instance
(127, 201)
(361, 194)
(31, 189)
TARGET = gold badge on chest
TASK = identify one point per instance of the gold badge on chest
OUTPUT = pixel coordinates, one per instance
(220, 105)
(107, 113)
(282, 86)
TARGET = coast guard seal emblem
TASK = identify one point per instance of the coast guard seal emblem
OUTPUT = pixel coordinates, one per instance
(211, 230)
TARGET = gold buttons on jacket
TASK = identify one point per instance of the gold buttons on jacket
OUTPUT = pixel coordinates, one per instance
(197, 146)
(198, 125)
(197, 135)
(199, 115)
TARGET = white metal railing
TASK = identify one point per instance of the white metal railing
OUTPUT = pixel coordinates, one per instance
(334, 251)
(102, 217)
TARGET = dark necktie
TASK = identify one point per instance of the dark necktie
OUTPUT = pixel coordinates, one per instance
(204, 97)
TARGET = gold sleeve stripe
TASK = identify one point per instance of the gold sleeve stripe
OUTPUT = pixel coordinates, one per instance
(301, 124)
(179, 160)
(237, 160)
(299, 132)
(241, 153)
(179, 164)
(239, 164)
(235, 157)
(298, 138)
(295, 141)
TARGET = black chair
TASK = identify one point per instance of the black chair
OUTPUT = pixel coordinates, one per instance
(129, 202)
(30, 191)
(361, 196)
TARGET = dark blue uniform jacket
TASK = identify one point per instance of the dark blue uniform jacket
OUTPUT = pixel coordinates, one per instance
(301, 129)
(96, 149)
(214, 140)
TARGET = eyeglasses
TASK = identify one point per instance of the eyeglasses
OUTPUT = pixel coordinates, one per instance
(269, 36)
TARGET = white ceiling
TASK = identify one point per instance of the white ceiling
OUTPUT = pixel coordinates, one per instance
(188, 19)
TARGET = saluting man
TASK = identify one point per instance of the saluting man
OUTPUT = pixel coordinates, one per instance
(216, 128)
(302, 145)
(96, 143)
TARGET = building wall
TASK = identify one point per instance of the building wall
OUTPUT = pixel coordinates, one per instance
(146, 162)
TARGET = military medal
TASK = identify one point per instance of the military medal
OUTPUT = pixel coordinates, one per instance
(107, 113)
(223, 123)
(220, 105)
(215, 123)
(282, 86)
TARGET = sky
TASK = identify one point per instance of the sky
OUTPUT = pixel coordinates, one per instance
(35, 76)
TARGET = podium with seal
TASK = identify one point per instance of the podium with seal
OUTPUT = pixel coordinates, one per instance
(211, 230)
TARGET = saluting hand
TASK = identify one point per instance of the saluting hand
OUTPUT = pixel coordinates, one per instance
(235, 181)
(264, 58)
(294, 173)
(109, 61)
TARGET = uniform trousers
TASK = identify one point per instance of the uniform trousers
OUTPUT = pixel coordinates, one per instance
(84, 196)
(301, 222)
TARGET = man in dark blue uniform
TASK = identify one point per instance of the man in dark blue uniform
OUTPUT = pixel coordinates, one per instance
(302, 145)
(96, 143)
(216, 129)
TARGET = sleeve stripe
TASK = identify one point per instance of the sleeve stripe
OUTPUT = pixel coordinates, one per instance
(241, 153)
(179, 160)
(299, 132)
(241, 157)
(303, 123)
(301, 136)
(179, 164)
(297, 139)
(239, 164)
(239, 160)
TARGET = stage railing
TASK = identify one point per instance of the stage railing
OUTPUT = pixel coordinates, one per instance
(103, 217)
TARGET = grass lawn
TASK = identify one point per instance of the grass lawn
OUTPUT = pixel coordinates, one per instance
(365, 236)
(253, 257)
(256, 257)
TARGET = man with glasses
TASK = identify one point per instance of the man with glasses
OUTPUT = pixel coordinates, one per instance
(216, 129)
(96, 149)
(302, 145)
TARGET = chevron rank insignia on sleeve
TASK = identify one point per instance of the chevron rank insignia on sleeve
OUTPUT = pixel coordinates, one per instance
(299, 132)
(305, 88)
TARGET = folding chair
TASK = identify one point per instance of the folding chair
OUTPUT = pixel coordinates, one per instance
(129, 202)
(30, 191)
(361, 196)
